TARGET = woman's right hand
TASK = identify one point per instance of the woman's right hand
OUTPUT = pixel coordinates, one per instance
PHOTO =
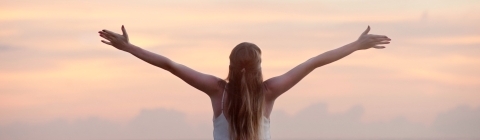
(119, 41)
(367, 41)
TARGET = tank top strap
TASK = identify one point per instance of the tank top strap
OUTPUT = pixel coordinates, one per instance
(223, 95)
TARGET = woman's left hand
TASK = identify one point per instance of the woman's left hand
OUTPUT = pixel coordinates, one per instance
(116, 40)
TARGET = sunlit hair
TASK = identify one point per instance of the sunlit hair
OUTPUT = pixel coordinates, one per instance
(245, 93)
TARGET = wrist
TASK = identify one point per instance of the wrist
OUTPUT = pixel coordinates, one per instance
(354, 46)
(129, 48)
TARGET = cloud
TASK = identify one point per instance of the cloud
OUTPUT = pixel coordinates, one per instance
(462, 120)
(160, 123)
(91, 128)
(312, 122)
(4, 48)
(149, 124)
(315, 122)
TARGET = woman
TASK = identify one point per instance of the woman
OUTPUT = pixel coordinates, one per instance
(243, 102)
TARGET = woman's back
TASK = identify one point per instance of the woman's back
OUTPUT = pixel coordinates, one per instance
(221, 125)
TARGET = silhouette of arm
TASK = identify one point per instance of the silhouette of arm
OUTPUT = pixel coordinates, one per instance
(203, 82)
(280, 84)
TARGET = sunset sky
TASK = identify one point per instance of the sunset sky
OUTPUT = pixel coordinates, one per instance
(55, 74)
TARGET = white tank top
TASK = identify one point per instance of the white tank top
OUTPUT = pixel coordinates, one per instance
(220, 126)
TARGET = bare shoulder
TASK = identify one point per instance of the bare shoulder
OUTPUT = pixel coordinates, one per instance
(217, 94)
(269, 96)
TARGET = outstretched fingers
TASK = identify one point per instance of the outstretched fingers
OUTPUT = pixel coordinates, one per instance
(108, 32)
(106, 42)
(381, 42)
(105, 36)
(379, 36)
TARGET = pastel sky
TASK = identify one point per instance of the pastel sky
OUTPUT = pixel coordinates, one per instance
(55, 74)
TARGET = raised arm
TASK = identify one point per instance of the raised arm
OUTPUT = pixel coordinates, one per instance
(203, 82)
(276, 86)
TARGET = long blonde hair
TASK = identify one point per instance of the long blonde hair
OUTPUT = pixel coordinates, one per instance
(245, 93)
